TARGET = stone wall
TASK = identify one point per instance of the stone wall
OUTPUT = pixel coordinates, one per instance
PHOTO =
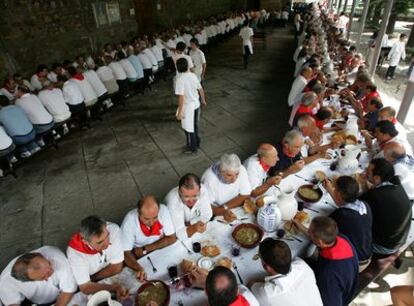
(46, 31)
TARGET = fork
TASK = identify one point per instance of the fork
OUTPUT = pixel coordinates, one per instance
(154, 269)
(238, 274)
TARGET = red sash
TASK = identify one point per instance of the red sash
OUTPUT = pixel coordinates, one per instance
(78, 76)
(240, 301)
(154, 230)
(264, 166)
(77, 243)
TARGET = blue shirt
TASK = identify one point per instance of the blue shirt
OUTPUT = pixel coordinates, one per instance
(15, 121)
(136, 63)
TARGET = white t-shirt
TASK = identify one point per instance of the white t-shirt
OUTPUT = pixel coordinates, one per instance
(152, 58)
(105, 73)
(245, 34)
(255, 172)
(220, 192)
(407, 178)
(176, 56)
(187, 85)
(72, 93)
(13, 291)
(119, 72)
(5, 140)
(34, 80)
(95, 82)
(54, 102)
(157, 52)
(296, 288)
(182, 214)
(297, 87)
(84, 265)
(145, 60)
(132, 235)
(10, 95)
(34, 109)
(129, 69)
(198, 58)
(88, 93)
(52, 76)
(342, 22)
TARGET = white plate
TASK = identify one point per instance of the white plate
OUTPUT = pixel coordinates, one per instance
(205, 263)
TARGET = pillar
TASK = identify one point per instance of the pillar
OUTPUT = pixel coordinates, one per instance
(384, 23)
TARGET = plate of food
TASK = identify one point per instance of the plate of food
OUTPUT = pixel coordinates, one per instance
(224, 262)
(247, 235)
(309, 194)
(302, 217)
(210, 251)
(155, 291)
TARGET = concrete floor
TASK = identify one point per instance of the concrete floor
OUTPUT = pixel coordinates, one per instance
(137, 150)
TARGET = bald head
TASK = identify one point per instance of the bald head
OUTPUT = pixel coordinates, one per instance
(267, 154)
(386, 113)
(394, 151)
(148, 208)
(307, 73)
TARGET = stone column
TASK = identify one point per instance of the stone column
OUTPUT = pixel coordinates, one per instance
(351, 18)
(384, 23)
(406, 100)
(362, 23)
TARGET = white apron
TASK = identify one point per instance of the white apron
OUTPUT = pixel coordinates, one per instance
(187, 123)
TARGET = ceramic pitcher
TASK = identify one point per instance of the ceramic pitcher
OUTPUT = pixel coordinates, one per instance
(348, 162)
(352, 127)
(287, 204)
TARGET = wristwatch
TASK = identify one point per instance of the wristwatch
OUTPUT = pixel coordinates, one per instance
(225, 207)
(144, 251)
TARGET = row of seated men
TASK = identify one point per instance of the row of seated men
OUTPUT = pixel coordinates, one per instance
(38, 111)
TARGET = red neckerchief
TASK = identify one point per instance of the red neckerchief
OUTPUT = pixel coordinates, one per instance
(394, 120)
(77, 243)
(78, 76)
(264, 166)
(154, 230)
(304, 110)
(382, 144)
(319, 123)
(341, 250)
(287, 153)
(365, 100)
(240, 301)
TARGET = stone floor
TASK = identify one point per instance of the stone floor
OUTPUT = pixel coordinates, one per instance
(137, 150)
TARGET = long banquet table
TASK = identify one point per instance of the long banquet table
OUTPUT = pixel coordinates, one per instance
(220, 234)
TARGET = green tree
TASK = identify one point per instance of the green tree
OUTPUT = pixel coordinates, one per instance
(399, 7)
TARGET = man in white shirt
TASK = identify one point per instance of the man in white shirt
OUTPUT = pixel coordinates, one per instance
(57, 69)
(222, 289)
(52, 98)
(228, 185)
(39, 77)
(246, 34)
(290, 283)
(9, 89)
(38, 115)
(107, 77)
(74, 99)
(89, 95)
(198, 58)
(342, 23)
(42, 276)
(190, 207)
(385, 132)
(100, 90)
(389, 113)
(299, 84)
(189, 92)
(403, 164)
(145, 229)
(178, 53)
(119, 74)
(95, 254)
(396, 54)
(257, 167)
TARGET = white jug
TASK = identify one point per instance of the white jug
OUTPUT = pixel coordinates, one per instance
(352, 126)
(287, 204)
(348, 163)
